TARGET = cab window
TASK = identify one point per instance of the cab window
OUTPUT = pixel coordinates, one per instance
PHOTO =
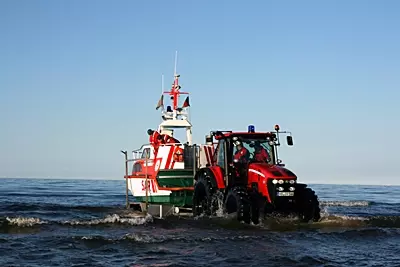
(221, 153)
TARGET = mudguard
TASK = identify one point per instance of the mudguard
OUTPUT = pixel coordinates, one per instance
(215, 175)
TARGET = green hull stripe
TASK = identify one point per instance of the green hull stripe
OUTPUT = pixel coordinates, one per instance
(175, 182)
(175, 172)
(175, 178)
(185, 199)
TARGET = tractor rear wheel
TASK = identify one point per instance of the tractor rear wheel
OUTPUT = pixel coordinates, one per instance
(237, 200)
(204, 200)
(307, 204)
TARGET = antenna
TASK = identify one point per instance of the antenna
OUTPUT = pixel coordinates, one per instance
(176, 59)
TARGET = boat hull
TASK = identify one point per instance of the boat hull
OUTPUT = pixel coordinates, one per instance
(167, 189)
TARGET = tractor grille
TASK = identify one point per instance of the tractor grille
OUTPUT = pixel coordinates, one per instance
(283, 188)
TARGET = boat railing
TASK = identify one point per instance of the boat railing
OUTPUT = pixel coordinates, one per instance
(173, 144)
(139, 153)
(147, 151)
(141, 148)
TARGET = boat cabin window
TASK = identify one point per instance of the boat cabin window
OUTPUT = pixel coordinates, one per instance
(145, 152)
(137, 167)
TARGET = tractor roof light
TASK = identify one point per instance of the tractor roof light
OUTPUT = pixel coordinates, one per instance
(251, 129)
(277, 127)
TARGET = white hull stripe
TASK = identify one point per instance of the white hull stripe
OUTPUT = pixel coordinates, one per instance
(257, 172)
(164, 154)
(210, 152)
(207, 153)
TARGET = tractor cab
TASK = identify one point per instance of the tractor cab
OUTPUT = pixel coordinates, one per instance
(259, 146)
(248, 149)
(235, 152)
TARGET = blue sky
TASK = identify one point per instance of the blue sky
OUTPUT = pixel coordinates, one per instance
(79, 80)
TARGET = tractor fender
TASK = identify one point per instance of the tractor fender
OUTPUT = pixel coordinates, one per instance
(301, 186)
(213, 174)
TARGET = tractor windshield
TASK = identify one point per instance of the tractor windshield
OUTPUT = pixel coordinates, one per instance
(258, 150)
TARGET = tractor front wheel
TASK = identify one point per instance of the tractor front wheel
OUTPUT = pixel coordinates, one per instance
(307, 204)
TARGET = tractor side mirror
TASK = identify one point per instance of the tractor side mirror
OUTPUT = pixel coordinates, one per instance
(289, 140)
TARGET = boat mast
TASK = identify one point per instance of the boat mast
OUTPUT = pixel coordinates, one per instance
(175, 116)
(175, 88)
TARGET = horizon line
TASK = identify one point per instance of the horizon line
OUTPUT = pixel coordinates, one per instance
(122, 179)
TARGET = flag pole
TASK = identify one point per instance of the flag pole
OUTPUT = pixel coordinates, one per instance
(162, 83)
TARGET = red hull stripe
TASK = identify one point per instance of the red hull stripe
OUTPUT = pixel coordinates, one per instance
(171, 151)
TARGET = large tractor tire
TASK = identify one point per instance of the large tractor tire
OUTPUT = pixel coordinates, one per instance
(205, 196)
(237, 200)
(255, 213)
(307, 204)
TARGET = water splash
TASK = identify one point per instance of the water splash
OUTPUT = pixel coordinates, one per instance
(220, 212)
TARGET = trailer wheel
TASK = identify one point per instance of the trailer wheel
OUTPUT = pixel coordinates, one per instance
(204, 201)
(308, 205)
(237, 200)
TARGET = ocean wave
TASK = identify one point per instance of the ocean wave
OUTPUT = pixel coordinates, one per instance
(350, 203)
(363, 233)
(151, 239)
(23, 222)
(133, 219)
(15, 207)
(384, 221)
(113, 219)
(366, 233)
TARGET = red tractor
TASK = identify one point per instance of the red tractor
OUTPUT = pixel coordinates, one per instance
(248, 177)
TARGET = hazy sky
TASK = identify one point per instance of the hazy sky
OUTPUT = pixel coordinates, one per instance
(79, 80)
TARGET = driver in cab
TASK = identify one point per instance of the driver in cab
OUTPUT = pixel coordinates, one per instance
(260, 153)
(242, 155)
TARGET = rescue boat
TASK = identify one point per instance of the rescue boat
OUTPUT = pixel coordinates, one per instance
(160, 177)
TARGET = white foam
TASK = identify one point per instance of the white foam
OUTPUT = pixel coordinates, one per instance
(24, 222)
(114, 218)
(351, 203)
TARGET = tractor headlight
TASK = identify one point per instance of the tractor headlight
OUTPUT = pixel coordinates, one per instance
(292, 181)
(281, 181)
(280, 188)
(291, 188)
(274, 181)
